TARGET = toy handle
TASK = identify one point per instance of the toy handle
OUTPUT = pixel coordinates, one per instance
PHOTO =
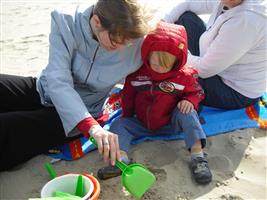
(121, 165)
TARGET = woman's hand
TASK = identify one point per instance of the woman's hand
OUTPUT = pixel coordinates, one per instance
(107, 142)
(185, 106)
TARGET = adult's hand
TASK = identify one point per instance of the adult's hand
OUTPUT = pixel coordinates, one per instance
(107, 142)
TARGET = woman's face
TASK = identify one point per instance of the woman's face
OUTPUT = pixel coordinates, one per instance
(106, 43)
(231, 3)
(103, 36)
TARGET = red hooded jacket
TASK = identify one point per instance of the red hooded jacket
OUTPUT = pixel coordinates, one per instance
(153, 96)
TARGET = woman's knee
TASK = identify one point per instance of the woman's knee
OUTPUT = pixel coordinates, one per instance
(188, 16)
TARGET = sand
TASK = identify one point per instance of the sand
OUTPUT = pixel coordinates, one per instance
(237, 159)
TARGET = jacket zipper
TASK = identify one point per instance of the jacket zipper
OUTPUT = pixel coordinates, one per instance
(149, 108)
(91, 64)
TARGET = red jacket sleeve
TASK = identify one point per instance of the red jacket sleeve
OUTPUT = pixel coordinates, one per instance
(85, 125)
(193, 92)
(128, 98)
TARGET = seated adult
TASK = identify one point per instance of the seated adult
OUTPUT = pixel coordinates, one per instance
(229, 52)
(90, 51)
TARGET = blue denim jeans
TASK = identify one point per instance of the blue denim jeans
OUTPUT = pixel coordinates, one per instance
(130, 128)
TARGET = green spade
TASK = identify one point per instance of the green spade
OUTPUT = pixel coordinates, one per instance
(50, 170)
(136, 178)
(79, 187)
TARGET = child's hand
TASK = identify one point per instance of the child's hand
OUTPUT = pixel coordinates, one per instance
(185, 106)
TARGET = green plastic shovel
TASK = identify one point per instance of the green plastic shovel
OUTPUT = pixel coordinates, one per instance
(136, 178)
(79, 187)
(50, 170)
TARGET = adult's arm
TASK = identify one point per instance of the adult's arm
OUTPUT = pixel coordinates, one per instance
(61, 90)
(198, 7)
(235, 37)
(65, 98)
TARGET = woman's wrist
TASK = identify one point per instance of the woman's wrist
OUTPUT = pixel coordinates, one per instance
(93, 129)
(85, 125)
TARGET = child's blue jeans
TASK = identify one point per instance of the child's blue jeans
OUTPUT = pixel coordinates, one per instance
(130, 128)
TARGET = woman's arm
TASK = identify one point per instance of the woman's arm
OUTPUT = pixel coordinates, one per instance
(65, 98)
(235, 37)
(198, 7)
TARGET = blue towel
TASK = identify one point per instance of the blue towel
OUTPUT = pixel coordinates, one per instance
(214, 122)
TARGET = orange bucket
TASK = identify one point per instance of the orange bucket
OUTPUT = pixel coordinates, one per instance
(96, 191)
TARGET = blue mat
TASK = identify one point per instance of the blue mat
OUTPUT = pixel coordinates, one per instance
(214, 122)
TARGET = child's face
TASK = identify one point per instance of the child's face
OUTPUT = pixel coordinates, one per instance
(154, 64)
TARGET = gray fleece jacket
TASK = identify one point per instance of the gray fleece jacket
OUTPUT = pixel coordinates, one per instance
(80, 74)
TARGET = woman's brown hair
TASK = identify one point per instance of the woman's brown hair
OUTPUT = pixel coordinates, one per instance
(123, 19)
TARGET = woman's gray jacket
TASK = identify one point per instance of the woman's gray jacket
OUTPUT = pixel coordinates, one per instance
(80, 74)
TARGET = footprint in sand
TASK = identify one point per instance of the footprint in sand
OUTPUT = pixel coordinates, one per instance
(160, 154)
(34, 36)
(153, 193)
(220, 163)
(230, 197)
(160, 174)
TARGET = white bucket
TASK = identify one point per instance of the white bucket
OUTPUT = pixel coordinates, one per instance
(67, 183)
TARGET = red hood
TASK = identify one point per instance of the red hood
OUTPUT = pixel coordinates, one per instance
(170, 38)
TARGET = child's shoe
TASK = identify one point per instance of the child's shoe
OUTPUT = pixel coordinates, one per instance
(200, 170)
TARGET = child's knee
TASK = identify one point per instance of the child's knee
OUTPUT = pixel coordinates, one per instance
(178, 114)
(117, 124)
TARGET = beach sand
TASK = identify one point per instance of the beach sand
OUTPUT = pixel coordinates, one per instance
(237, 159)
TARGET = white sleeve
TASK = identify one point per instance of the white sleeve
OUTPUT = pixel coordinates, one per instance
(234, 39)
(198, 7)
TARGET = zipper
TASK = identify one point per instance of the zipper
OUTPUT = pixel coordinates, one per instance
(91, 64)
(149, 107)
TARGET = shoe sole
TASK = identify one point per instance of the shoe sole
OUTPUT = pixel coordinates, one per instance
(203, 181)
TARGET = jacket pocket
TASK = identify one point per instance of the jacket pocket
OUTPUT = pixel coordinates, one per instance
(80, 69)
(110, 77)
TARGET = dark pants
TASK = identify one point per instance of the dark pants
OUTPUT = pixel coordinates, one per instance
(218, 94)
(26, 127)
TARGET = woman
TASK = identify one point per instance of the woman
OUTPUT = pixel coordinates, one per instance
(89, 52)
(230, 52)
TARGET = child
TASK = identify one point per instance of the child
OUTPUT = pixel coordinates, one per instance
(162, 98)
